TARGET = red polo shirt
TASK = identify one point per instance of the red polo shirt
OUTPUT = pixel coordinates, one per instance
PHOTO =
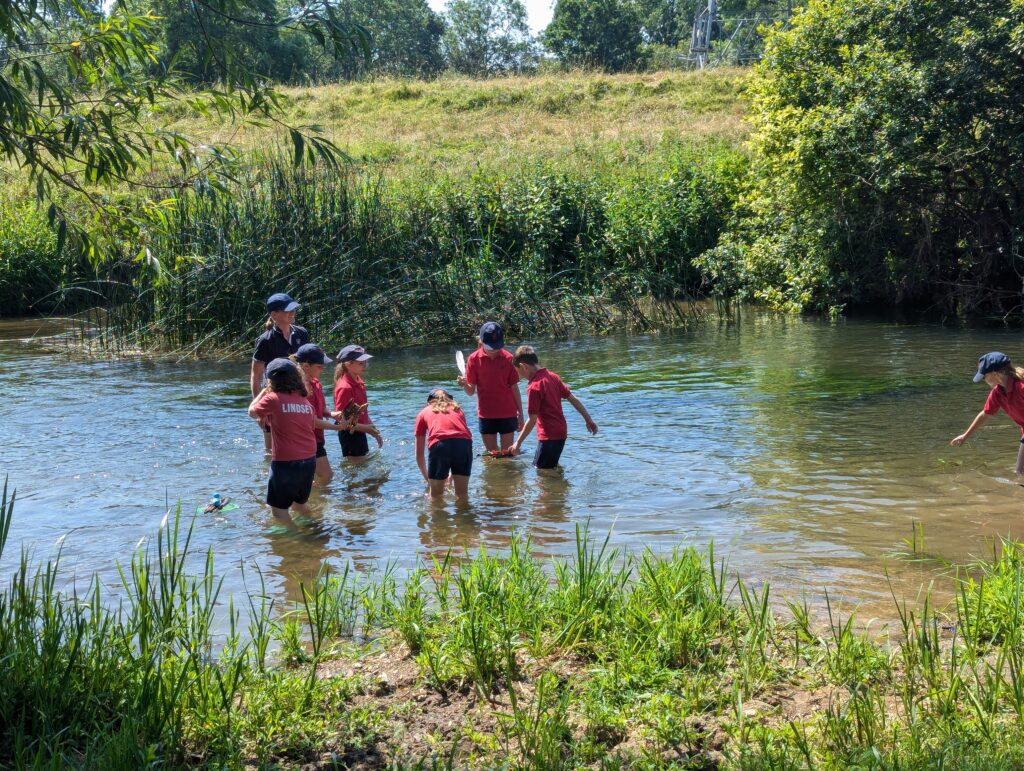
(1010, 401)
(290, 417)
(441, 425)
(544, 394)
(351, 389)
(316, 398)
(494, 378)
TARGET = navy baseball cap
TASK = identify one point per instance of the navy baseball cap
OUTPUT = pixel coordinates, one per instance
(436, 392)
(280, 366)
(353, 353)
(492, 336)
(281, 302)
(311, 354)
(991, 362)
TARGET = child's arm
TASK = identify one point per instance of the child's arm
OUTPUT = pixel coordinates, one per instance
(469, 388)
(369, 428)
(421, 444)
(527, 428)
(330, 425)
(591, 425)
(518, 398)
(252, 411)
(978, 422)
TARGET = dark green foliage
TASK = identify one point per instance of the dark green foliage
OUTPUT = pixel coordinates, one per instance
(34, 273)
(487, 37)
(405, 40)
(888, 160)
(203, 42)
(595, 33)
(77, 93)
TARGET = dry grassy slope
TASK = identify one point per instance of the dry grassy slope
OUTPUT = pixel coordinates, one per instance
(457, 123)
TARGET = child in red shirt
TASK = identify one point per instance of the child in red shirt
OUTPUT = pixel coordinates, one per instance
(284, 407)
(350, 389)
(441, 425)
(544, 393)
(311, 360)
(491, 375)
(1007, 384)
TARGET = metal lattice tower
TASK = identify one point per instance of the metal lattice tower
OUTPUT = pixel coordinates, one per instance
(718, 39)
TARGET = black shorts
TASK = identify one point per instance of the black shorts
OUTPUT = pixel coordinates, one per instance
(453, 456)
(290, 482)
(321, 449)
(499, 425)
(353, 444)
(548, 452)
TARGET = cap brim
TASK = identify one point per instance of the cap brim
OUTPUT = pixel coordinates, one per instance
(493, 347)
(292, 306)
(364, 357)
(979, 377)
(327, 360)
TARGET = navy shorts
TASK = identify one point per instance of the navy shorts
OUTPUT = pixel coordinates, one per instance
(353, 444)
(321, 449)
(453, 456)
(499, 425)
(290, 482)
(548, 452)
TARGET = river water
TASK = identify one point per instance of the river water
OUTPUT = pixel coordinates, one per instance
(804, 449)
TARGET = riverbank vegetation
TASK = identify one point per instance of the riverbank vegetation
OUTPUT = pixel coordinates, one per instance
(604, 660)
(524, 198)
(882, 168)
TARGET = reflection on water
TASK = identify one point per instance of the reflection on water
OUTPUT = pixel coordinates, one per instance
(804, 449)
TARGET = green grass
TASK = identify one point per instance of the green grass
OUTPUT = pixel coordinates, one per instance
(605, 659)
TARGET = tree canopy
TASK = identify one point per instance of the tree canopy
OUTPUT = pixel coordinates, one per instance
(595, 33)
(487, 37)
(888, 159)
(79, 86)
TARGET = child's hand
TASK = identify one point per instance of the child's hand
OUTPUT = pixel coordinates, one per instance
(461, 380)
(514, 450)
(379, 438)
(958, 440)
(591, 426)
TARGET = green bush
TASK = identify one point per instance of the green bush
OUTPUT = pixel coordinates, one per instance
(34, 275)
(887, 160)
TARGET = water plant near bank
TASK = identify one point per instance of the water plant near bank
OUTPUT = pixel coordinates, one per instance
(607, 659)
(547, 250)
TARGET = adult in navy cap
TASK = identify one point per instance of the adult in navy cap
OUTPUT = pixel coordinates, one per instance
(1007, 394)
(281, 339)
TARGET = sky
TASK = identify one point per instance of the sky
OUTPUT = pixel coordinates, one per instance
(538, 11)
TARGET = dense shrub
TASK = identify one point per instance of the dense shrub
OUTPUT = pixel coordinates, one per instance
(887, 160)
(35, 276)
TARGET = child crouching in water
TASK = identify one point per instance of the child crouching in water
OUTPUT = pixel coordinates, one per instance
(544, 393)
(441, 425)
(1007, 384)
(284, 407)
(311, 360)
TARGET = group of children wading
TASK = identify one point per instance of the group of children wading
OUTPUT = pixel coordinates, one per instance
(289, 403)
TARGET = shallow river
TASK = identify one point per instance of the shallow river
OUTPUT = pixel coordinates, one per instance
(804, 449)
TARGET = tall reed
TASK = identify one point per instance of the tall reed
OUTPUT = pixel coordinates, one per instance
(549, 250)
